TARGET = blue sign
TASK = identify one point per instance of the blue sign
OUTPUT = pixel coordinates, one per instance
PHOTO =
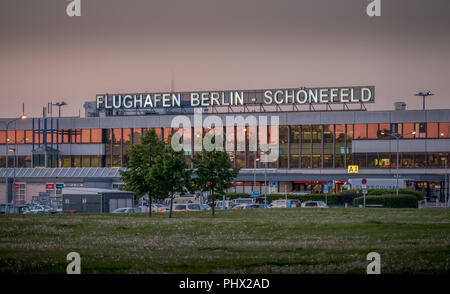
(59, 186)
(325, 189)
(255, 193)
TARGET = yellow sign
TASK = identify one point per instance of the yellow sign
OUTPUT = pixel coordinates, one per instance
(353, 169)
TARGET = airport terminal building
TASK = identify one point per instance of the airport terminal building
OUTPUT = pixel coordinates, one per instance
(320, 132)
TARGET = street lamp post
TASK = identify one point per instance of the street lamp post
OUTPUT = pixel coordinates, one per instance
(446, 190)
(265, 177)
(59, 104)
(429, 93)
(397, 137)
(254, 175)
(6, 163)
(265, 183)
(12, 149)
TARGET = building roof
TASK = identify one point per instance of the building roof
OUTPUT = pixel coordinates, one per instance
(84, 172)
(90, 191)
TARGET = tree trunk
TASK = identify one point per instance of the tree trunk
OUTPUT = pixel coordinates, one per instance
(171, 205)
(213, 202)
(149, 205)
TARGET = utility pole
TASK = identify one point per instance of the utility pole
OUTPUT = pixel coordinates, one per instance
(397, 137)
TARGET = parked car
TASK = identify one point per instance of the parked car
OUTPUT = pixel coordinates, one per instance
(283, 203)
(246, 206)
(227, 204)
(314, 204)
(205, 207)
(69, 211)
(40, 209)
(180, 207)
(261, 205)
(159, 208)
(240, 201)
(194, 207)
(126, 210)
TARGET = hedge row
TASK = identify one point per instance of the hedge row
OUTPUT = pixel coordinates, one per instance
(332, 199)
(390, 201)
(377, 192)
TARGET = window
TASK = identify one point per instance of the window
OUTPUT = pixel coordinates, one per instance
(137, 133)
(284, 149)
(408, 129)
(2, 137)
(432, 130)
(273, 133)
(306, 146)
(11, 137)
(96, 136)
(20, 193)
(85, 161)
(444, 130)
(294, 146)
(360, 131)
(421, 129)
(76, 161)
(251, 135)
(20, 136)
(372, 131)
(317, 146)
(76, 136)
(67, 161)
(240, 146)
(167, 132)
(328, 145)
(86, 136)
(96, 161)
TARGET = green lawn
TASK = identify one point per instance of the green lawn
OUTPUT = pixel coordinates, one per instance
(253, 241)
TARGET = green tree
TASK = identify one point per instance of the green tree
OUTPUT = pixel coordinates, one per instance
(141, 159)
(213, 173)
(171, 174)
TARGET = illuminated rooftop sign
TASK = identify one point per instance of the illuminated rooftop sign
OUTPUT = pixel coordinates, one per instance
(298, 96)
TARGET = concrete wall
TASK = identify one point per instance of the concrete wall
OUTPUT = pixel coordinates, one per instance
(412, 145)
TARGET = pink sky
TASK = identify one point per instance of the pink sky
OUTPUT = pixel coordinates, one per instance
(133, 46)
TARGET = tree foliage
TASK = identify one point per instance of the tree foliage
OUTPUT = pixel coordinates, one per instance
(213, 173)
(142, 158)
(170, 174)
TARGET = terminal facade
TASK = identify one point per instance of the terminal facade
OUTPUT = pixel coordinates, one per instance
(316, 145)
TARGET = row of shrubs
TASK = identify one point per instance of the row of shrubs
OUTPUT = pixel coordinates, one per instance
(390, 201)
(406, 198)
(331, 199)
(376, 192)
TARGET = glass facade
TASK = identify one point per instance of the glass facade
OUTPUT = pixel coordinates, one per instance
(301, 146)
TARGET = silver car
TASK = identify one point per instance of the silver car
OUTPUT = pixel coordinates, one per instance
(126, 210)
(314, 204)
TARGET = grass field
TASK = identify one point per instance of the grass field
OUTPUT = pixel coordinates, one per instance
(253, 241)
